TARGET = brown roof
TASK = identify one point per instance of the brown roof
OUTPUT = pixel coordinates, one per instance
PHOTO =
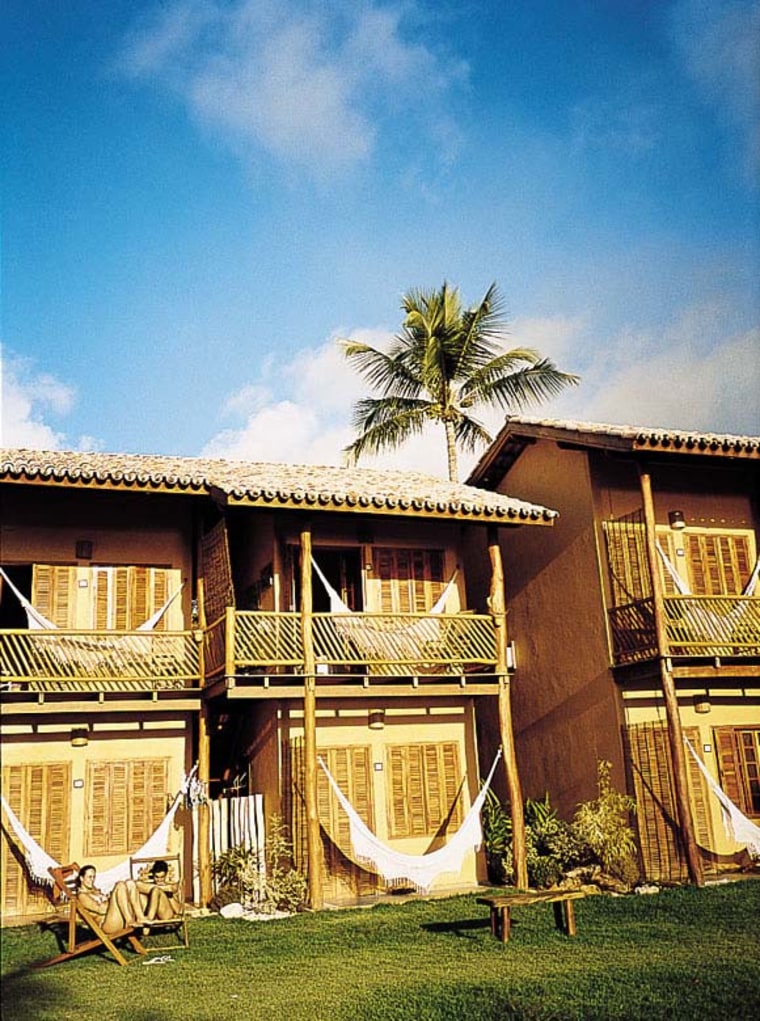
(516, 432)
(274, 485)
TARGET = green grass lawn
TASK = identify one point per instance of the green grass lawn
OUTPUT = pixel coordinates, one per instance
(682, 953)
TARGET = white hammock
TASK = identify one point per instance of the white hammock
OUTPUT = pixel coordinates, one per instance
(385, 642)
(708, 624)
(736, 824)
(39, 862)
(419, 869)
(90, 653)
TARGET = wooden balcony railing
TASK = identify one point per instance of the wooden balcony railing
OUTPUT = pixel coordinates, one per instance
(98, 660)
(247, 642)
(385, 644)
(727, 626)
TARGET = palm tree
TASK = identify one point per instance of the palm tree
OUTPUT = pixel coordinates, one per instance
(445, 364)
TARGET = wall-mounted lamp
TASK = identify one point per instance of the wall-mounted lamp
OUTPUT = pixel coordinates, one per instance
(80, 737)
(376, 719)
(702, 704)
(676, 520)
(511, 656)
(83, 549)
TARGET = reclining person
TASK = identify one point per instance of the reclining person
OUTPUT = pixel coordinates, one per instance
(115, 910)
(159, 898)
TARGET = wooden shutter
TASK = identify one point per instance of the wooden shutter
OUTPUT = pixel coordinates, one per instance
(126, 801)
(738, 752)
(53, 593)
(352, 770)
(656, 818)
(216, 569)
(626, 559)
(407, 580)
(424, 787)
(719, 564)
(39, 795)
(699, 793)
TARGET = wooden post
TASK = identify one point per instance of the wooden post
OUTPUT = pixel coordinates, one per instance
(313, 836)
(497, 607)
(675, 731)
(204, 820)
(204, 774)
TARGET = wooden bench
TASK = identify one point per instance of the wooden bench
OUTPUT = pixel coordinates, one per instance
(564, 909)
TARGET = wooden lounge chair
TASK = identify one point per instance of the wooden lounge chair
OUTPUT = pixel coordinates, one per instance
(78, 917)
(177, 924)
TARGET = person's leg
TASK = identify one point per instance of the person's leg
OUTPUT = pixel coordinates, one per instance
(118, 912)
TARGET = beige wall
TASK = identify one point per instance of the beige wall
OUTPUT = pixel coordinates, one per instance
(406, 722)
(120, 739)
(43, 526)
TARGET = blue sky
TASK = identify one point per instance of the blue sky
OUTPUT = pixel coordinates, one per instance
(200, 196)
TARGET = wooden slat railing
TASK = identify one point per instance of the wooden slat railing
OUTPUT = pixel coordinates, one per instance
(696, 626)
(713, 625)
(268, 640)
(405, 643)
(63, 660)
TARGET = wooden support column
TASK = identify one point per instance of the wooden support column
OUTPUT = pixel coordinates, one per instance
(204, 816)
(313, 836)
(496, 604)
(675, 731)
(204, 775)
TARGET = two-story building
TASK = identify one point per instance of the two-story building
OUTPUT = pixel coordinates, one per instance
(637, 624)
(159, 611)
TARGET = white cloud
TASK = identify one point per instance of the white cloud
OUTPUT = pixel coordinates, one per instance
(308, 83)
(27, 398)
(719, 42)
(695, 374)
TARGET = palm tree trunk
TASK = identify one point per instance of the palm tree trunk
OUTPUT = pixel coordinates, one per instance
(451, 450)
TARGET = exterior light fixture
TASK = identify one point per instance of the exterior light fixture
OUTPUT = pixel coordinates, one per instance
(702, 704)
(676, 520)
(376, 719)
(79, 737)
(83, 549)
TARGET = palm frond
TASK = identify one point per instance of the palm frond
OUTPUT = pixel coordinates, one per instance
(471, 434)
(388, 423)
(526, 386)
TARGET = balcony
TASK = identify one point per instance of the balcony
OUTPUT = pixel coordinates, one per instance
(697, 626)
(62, 661)
(255, 649)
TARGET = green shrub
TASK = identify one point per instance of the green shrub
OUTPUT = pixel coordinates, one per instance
(602, 830)
(265, 880)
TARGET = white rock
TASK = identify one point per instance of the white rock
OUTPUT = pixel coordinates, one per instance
(234, 910)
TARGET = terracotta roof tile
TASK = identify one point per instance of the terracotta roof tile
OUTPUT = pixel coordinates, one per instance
(325, 487)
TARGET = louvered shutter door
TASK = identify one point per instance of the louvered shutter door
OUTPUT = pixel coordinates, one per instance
(665, 539)
(160, 593)
(729, 765)
(749, 746)
(39, 795)
(398, 811)
(699, 796)
(656, 812)
(12, 877)
(350, 768)
(425, 784)
(718, 564)
(126, 801)
(53, 590)
(140, 596)
(409, 581)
